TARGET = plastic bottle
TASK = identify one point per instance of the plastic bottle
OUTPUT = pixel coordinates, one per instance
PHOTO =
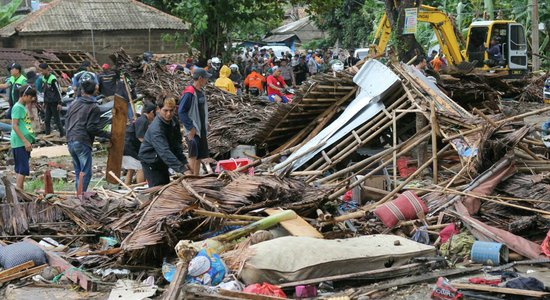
(168, 270)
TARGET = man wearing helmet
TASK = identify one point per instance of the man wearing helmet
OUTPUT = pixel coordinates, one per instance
(214, 68)
(236, 77)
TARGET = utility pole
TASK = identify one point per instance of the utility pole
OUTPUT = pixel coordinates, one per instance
(535, 35)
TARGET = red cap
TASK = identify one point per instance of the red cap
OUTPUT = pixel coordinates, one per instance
(105, 66)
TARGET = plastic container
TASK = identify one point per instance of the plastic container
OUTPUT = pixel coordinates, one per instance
(489, 253)
(234, 163)
(240, 150)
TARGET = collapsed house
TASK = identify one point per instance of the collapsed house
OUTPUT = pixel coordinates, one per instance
(374, 157)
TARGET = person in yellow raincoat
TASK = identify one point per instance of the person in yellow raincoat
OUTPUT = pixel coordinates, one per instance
(224, 82)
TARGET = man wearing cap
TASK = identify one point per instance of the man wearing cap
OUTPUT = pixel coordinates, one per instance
(162, 146)
(52, 99)
(193, 113)
(14, 82)
(135, 134)
(107, 81)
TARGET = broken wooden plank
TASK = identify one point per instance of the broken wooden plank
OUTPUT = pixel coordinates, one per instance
(372, 274)
(23, 273)
(73, 274)
(298, 226)
(500, 290)
(16, 269)
(177, 281)
(118, 132)
(52, 151)
(428, 277)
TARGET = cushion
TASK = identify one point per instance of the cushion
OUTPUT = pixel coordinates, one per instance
(20, 253)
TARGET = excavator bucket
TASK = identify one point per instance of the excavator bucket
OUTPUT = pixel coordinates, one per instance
(464, 67)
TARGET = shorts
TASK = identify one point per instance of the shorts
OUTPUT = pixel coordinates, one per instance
(21, 157)
(130, 163)
(198, 147)
(272, 98)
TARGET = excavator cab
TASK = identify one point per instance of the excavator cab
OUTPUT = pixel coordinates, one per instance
(510, 37)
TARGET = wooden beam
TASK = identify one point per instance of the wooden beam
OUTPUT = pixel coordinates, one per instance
(16, 269)
(369, 274)
(23, 273)
(500, 290)
(118, 132)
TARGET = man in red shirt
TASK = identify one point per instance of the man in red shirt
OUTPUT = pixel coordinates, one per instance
(275, 86)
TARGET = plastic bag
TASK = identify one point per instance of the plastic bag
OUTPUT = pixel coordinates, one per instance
(207, 268)
(265, 289)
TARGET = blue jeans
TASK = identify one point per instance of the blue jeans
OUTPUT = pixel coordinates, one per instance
(5, 127)
(82, 162)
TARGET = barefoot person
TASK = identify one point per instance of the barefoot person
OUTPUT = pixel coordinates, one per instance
(193, 113)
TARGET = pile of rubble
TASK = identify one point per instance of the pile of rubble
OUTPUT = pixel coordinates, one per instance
(374, 179)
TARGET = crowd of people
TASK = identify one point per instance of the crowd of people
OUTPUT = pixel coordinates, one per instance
(261, 71)
(154, 140)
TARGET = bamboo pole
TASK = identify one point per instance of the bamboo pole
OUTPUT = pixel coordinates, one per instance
(513, 118)
(366, 162)
(225, 216)
(363, 210)
(352, 147)
(394, 152)
(348, 142)
(343, 190)
(435, 129)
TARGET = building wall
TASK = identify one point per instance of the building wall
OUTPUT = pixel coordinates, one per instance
(106, 42)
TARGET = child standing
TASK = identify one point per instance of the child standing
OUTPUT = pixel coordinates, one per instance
(22, 134)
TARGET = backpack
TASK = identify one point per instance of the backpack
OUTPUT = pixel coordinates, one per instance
(51, 92)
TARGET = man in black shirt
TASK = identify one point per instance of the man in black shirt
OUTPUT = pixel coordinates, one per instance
(134, 136)
(300, 71)
(162, 146)
(52, 99)
(107, 81)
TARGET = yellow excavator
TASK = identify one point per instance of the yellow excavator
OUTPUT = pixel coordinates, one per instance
(509, 34)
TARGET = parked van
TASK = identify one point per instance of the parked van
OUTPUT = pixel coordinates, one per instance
(278, 49)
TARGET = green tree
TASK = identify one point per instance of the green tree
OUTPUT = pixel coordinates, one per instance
(7, 12)
(215, 24)
(350, 22)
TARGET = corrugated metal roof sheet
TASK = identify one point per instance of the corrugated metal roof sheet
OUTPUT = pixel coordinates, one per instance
(75, 15)
(278, 38)
(293, 26)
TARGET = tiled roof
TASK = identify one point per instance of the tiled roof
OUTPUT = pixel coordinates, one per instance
(76, 15)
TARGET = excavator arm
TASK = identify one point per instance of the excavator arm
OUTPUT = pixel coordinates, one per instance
(442, 25)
